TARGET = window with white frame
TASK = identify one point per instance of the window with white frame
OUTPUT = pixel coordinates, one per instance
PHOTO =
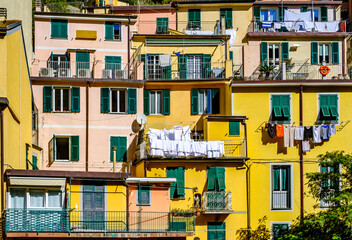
(274, 54)
(194, 66)
(64, 148)
(203, 100)
(118, 101)
(21, 198)
(324, 53)
(281, 187)
(268, 15)
(154, 68)
(329, 185)
(155, 101)
(61, 99)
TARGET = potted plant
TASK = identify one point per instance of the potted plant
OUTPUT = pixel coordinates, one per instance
(267, 69)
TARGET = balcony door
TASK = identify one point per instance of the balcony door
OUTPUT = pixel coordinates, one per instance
(82, 61)
(216, 188)
(94, 207)
(194, 67)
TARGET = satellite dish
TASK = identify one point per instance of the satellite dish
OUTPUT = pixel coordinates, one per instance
(141, 118)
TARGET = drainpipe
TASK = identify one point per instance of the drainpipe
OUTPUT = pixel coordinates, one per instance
(343, 57)
(248, 175)
(128, 48)
(127, 206)
(2, 160)
(87, 123)
(301, 150)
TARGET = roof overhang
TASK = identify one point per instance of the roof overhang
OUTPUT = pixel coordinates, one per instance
(150, 180)
(86, 17)
(299, 3)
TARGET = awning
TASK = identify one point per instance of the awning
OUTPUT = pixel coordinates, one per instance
(34, 181)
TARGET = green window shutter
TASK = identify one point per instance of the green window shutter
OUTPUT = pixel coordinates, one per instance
(231, 55)
(194, 101)
(263, 51)
(178, 226)
(282, 13)
(74, 148)
(55, 28)
(206, 65)
(215, 101)
(220, 176)
(182, 66)
(171, 173)
(54, 148)
(109, 31)
(143, 195)
(104, 100)
(234, 128)
(194, 18)
(227, 12)
(47, 98)
(180, 182)
(256, 13)
(35, 162)
(212, 233)
(285, 106)
(143, 61)
(324, 14)
(284, 179)
(276, 105)
(285, 50)
(276, 179)
(121, 155)
(166, 101)
(114, 142)
(146, 101)
(324, 105)
(63, 29)
(304, 9)
(333, 105)
(314, 52)
(132, 100)
(211, 176)
(113, 62)
(166, 72)
(75, 99)
(335, 52)
(162, 25)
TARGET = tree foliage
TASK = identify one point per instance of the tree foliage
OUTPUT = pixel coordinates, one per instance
(260, 233)
(334, 187)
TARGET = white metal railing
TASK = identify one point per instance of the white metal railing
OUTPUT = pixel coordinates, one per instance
(217, 201)
(281, 199)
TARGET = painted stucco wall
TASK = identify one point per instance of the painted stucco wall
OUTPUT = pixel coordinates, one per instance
(159, 198)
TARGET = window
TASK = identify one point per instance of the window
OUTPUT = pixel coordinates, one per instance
(216, 230)
(325, 53)
(58, 28)
(35, 162)
(156, 102)
(64, 148)
(278, 228)
(328, 107)
(154, 68)
(324, 14)
(281, 108)
(21, 198)
(118, 100)
(216, 179)
(227, 12)
(177, 189)
(268, 15)
(205, 101)
(162, 25)
(112, 31)
(120, 143)
(60, 63)
(194, 19)
(234, 128)
(197, 66)
(194, 67)
(143, 197)
(281, 187)
(113, 62)
(273, 53)
(61, 99)
(328, 186)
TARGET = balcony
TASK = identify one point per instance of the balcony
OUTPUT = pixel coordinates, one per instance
(71, 69)
(281, 200)
(195, 69)
(296, 26)
(102, 223)
(217, 202)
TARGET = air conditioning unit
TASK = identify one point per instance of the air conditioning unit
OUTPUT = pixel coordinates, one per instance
(107, 73)
(64, 72)
(83, 73)
(46, 72)
(119, 74)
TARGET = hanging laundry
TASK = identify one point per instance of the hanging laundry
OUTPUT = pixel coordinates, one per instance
(332, 26)
(305, 146)
(299, 132)
(286, 136)
(325, 132)
(292, 136)
(279, 130)
(317, 134)
(272, 130)
(308, 132)
(165, 60)
(332, 129)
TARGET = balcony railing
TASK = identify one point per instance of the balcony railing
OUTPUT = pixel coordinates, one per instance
(281, 200)
(196, 149)
(71, 69)
(65, 221)
(297, 26)
(217, 201)
(194, 69)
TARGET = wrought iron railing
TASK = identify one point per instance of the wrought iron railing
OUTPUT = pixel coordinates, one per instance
(217, 201)
(281, 200)
(23, 220)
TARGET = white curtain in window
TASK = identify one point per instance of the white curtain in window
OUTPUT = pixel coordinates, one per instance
(54, 199)
(36, 198)
(18, 197)
(158, 103)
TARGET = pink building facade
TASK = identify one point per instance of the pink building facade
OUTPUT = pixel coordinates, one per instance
(87, 103)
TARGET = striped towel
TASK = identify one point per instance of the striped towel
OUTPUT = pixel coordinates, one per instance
(266, 24)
